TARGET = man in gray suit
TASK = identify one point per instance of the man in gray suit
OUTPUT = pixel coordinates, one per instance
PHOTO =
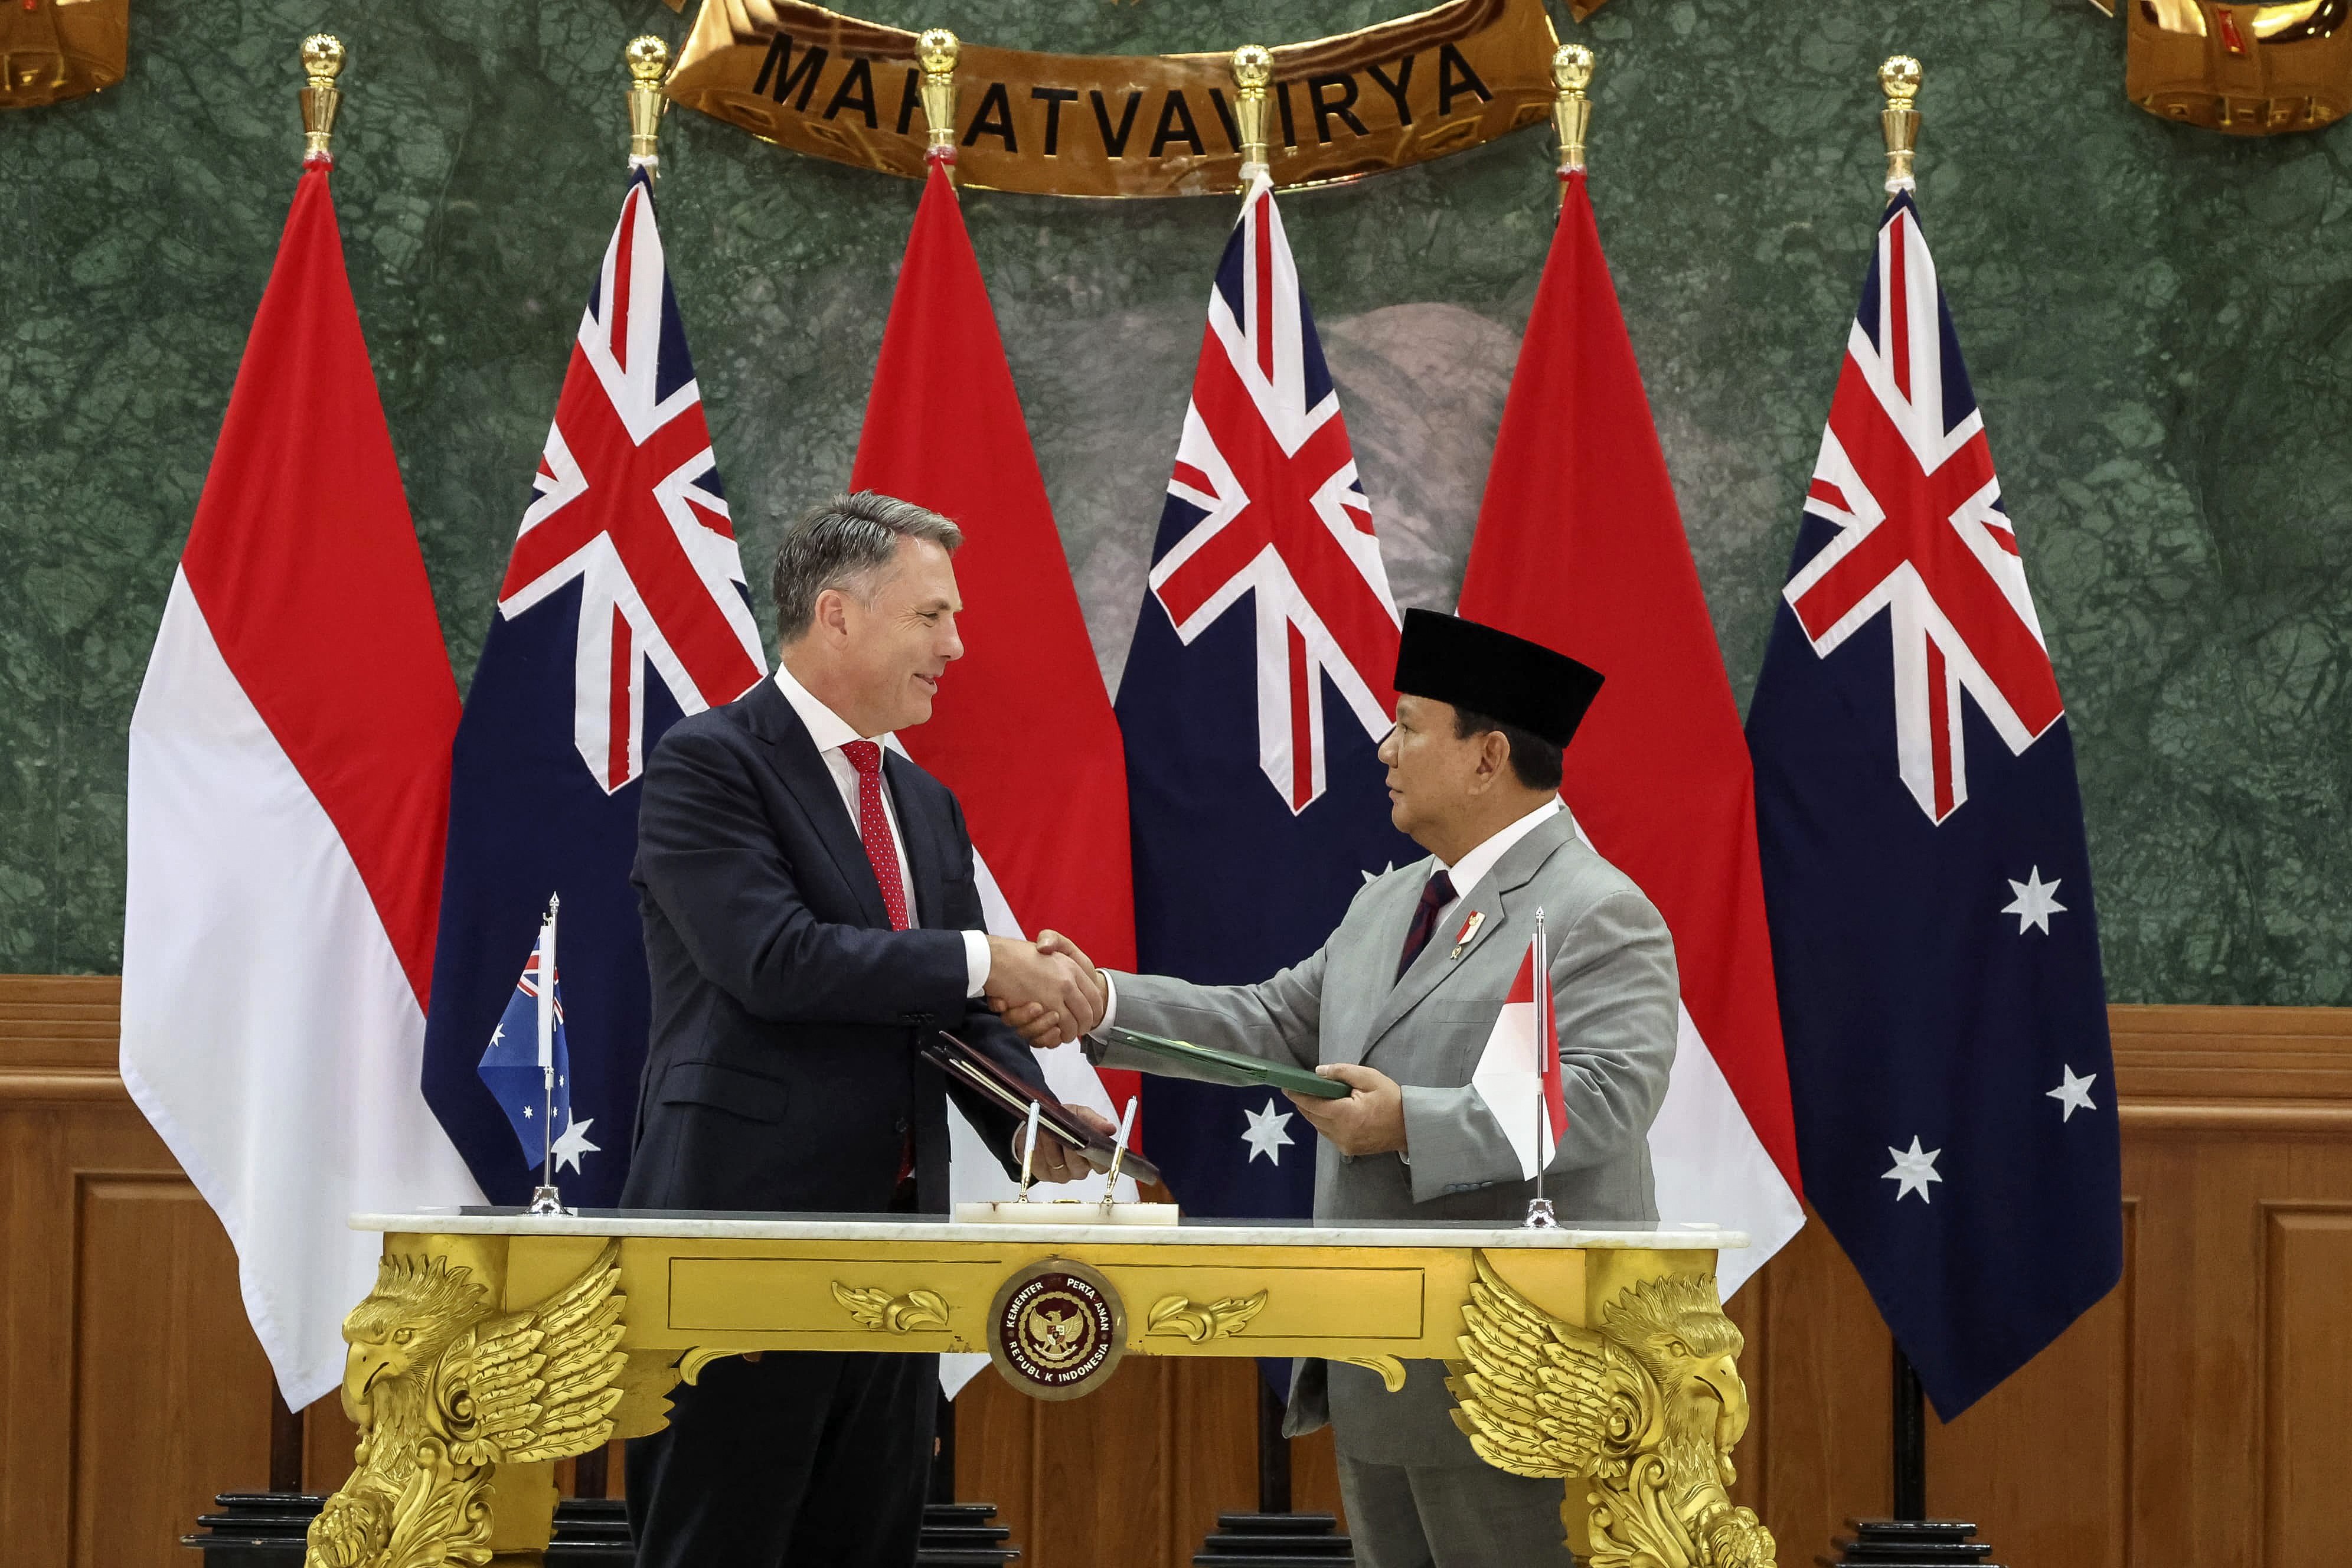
(1398, 1006)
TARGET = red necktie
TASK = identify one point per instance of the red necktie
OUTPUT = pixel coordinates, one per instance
(1433, 898)
(874, 827)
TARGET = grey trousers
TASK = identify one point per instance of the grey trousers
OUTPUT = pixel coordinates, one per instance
(1450, 1516)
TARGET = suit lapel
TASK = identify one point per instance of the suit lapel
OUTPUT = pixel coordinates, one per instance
(1489, 903)
(926, 858)
(810, 783)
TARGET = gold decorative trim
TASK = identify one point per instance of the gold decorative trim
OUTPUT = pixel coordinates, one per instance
(1392, 1370)
(913, 1312)
(690, 1364)
(1209, 1320)
(1645, 1412)
(444, 1391)
(1397, 93)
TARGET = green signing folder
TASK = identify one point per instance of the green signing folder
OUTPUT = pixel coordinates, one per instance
(1228, 1067)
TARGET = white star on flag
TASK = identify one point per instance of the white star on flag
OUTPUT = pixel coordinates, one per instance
(574, 1143)
(1265, 1134)
(2035, 902)
(2074, 1093)
(1913, 1169)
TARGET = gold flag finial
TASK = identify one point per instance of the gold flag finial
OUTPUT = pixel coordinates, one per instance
(936, 52)
(647, 58)
(1571, 111)
(1252, 74)
(322, 62)
(1899, 79)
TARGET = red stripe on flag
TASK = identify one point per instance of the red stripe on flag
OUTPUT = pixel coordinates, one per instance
(316, 595)
(944, 429)
(1302, 727)
(1581, 547)
(1262, 254)
(1192, 478)
(1898, 308)
(616, 738)
(1939, 736)
(616, 309)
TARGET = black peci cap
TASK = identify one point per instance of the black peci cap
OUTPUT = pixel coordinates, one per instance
(1448, 659)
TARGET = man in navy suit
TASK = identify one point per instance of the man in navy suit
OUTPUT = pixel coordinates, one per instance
(811, 918)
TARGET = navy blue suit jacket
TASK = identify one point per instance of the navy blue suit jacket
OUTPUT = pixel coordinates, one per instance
(782, 1072)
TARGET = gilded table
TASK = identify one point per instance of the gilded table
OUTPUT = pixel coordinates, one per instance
(496, 1342)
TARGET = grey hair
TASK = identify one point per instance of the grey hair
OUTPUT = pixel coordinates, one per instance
(840, 542)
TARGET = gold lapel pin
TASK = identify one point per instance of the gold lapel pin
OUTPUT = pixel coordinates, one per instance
(1462, 939)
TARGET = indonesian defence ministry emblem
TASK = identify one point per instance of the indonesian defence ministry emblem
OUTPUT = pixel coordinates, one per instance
(1057, 1329)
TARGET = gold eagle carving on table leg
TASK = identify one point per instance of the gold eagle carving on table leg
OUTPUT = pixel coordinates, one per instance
(444, 1391)
(1644, 1413)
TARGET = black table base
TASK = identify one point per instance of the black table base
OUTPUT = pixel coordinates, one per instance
(267, 1530)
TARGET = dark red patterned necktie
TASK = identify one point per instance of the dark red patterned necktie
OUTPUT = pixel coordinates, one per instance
(873, 829)
(1433, 898)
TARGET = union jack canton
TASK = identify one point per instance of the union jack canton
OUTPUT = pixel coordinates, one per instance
(1265, 460)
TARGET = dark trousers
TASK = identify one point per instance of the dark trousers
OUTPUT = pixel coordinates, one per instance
(812, 1460)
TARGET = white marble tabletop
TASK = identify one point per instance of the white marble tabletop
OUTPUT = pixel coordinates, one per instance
(728, 1226)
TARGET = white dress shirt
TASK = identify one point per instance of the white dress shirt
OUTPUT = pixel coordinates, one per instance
(831, 732)
(1463, 874)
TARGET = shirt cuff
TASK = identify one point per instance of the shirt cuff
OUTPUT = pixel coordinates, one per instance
(975, 962)
(1110, 1002)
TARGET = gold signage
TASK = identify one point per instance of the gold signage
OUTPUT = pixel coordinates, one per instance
(1404, 91)
(2250, 71)
(53, 49)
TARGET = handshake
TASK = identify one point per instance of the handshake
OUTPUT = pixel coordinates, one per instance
(1049, 991)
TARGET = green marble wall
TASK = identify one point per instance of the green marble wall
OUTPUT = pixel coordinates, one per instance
(2157, 321)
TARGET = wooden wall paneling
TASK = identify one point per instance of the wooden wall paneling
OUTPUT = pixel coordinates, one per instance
(170, 1401)
(1822, 1395)
(130, 1388)
(2307, 1380)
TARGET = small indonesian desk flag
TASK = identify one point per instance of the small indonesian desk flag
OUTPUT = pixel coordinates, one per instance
(1518, 1072)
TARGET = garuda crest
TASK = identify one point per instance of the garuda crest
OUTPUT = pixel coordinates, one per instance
(445, 1391)
(1645, 1411)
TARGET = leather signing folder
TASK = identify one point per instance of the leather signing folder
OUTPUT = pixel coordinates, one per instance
(1206, 1062)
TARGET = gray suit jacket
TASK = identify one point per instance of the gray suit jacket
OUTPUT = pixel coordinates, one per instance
(1614, 991)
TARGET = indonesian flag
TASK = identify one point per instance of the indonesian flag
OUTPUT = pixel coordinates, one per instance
(1580, 547)
(290, 778)
(1022, 731)
(1518, 1072)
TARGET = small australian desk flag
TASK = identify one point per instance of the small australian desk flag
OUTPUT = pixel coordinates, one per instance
(525, 1047)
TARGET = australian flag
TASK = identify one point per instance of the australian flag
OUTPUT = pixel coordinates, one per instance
(624, 607)
(530, 1074)
(1924, 871)
(1255, 693)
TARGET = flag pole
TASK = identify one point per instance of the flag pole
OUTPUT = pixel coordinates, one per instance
(1899, 79)
(1539, 1214)
(546, 1199)
(1571, 111)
